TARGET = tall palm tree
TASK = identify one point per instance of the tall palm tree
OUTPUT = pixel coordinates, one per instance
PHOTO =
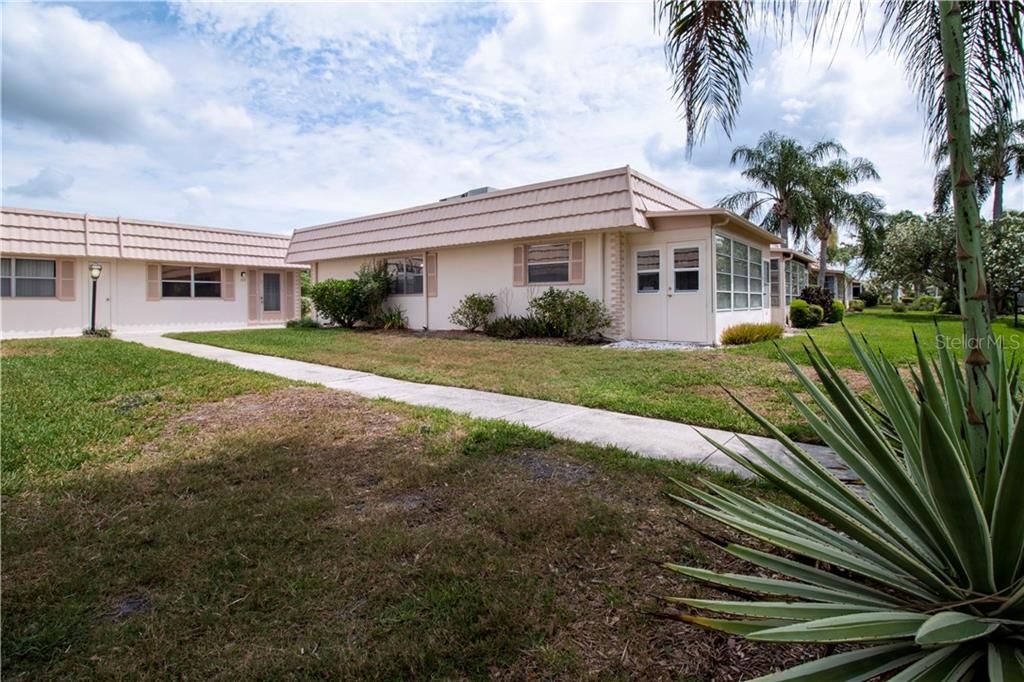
(834, 205)
(710, 56)
(778, 167)
(999, 155)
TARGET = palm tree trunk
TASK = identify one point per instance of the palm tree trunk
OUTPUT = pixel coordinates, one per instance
(822, 258)
(784, 225)
(997, 202)
(970, 267)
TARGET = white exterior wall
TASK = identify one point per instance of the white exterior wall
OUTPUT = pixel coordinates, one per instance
(121, 306)
(475, 269)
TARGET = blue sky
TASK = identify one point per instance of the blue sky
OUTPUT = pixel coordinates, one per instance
(271, 117)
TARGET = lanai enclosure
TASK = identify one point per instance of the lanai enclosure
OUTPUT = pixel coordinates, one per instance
(667, 268)
(154, 276)
(842, 284)
(790, 275)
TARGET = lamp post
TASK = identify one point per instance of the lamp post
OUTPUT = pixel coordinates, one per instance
(94, 273)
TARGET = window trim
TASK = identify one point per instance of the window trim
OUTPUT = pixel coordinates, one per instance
(13, 277)
(568, 262)
(762, 252)
(646, 271)
(192, 281)
(700, 287)
(388, 260)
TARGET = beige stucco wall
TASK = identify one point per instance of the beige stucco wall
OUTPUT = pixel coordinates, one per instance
(121, 306)
(481, 269)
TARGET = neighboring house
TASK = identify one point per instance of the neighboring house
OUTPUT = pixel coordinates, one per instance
(838, 281)
(154, 277)
(789, 277)
(666, 268)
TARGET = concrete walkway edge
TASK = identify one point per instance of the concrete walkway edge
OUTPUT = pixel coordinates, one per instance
(644, 436)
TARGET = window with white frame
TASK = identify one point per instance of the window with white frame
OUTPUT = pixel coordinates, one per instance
(547, 263)
(28, 278)
(796, 279)
(686, 269)
(739, 275)
(406, 275)
(766, 273)
(773, 272)
(186, 281)
(648, 271)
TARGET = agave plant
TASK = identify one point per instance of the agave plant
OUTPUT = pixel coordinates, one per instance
(922, 568)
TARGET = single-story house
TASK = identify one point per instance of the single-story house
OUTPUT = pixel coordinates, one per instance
(838, 281)
(666, 267)
(789, 276)
(153, 276)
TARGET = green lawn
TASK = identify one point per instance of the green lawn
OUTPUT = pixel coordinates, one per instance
(892, 332)
(177, 517)
(681, 386)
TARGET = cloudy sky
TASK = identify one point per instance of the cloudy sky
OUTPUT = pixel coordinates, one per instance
(271, 117)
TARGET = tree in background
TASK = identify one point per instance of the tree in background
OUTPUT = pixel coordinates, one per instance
(919, 252)
(779, 168)
(833, 205)
(999, 155)
(1005, 261)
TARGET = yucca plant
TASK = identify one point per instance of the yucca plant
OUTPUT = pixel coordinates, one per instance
(923, 568)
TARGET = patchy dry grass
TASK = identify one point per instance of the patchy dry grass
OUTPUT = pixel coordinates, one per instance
(298, 532)
(675, 385)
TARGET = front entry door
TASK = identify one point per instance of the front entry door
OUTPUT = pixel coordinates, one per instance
(271, 297)
(686, 314)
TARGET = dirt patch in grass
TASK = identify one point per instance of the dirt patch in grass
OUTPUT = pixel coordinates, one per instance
(308, 533)
(21, 350)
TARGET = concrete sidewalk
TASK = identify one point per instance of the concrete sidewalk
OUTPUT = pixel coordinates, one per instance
(644, 436)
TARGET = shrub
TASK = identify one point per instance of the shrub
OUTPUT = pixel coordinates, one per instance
(924, 302)
(99, 332)
(922, 572)
(304, 323)
(305, 306)
(817, 314)
(899, 307)
(857, 305)
(751, 332)
(800, 314)
(838, 312)
(570, 314)
(819, 297)
(870, 297)
(374, 283)
(389, 318)
(515, 327)
(339, 300)
(473, 311)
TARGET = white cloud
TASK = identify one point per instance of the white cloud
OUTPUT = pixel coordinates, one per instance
(222, 118)
(47, 183)
(77, 75)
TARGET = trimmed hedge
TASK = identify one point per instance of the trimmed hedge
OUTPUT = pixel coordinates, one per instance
(899, 307)
(570, 315)
(856, 305)
(925, 303)
(751, 332)
(800, 314)
(838, 312)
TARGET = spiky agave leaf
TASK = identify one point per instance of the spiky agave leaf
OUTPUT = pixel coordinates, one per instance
(928, 564)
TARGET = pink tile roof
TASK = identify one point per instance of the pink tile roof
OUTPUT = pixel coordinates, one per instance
(617, 198)
(49, 233)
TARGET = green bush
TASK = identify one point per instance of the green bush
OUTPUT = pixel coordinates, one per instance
(99, 332)
(899, 307)
(838, 312)
(817, 314)
(375, 284)
(870, 297)
(751, 332)
(390, 318)
(800, 314)
(515, 327)
(473, 311)
(924, 302)
(857, 305)
(339, 300)
(818, 296)
(304, 323)
(570, 314)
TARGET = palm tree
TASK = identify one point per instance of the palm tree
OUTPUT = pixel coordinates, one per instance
(778, 167)
(834, 205)
(999, 154)
(710, 56)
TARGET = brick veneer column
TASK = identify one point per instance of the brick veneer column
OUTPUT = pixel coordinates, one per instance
(616, 280)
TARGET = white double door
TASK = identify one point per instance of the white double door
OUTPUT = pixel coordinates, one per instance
(669, 292)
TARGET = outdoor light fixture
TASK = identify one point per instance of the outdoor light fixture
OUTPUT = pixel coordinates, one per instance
(242, 275)
(94, 273)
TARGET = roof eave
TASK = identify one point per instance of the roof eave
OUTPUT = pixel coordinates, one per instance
(728, 216)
